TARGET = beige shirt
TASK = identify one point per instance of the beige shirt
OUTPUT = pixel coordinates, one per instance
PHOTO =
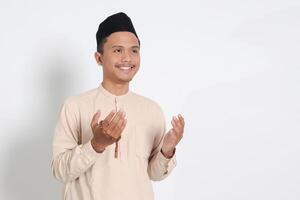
(88, 175)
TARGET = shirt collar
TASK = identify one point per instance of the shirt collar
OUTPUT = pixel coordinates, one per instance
(113, 96)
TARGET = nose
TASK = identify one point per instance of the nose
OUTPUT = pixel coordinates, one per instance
(126, 57)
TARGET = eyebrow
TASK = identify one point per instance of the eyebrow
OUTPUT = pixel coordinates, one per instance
(118, 46)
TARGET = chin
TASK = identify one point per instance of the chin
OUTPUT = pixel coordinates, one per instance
(125, 80)
(125, 77)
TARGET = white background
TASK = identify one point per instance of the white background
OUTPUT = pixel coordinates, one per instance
(230, 67)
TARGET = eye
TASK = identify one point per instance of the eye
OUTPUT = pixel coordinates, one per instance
(135, 50)
(117, 50)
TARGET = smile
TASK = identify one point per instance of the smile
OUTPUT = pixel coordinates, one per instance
(125, 67)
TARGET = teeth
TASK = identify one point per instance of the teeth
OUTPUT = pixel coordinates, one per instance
(125, 68)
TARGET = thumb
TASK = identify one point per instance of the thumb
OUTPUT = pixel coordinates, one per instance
(170, 132)
(95, 119)
(167, 135)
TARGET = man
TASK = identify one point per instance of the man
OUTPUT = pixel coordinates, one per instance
(110, 142)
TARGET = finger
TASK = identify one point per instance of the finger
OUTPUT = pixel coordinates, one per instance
(180, 123)
(181, 119)
(176, 128)
(118, 126)
(119, 129)
(120, 115)
(95, 119)
(178, 131)
(177, 122)
(108, 118)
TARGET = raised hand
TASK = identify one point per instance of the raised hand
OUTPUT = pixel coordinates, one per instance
(108, 131)
(173, 137)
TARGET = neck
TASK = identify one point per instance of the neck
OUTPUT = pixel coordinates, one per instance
(115, 88)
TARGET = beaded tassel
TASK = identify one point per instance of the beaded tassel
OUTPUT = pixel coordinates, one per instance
(117, 142)
(117, 148)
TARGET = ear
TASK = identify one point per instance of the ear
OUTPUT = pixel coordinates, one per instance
(98, 58)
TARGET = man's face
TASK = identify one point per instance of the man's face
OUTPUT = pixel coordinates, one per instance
(120, 58)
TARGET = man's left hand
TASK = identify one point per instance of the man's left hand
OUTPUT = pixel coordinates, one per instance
(173, 137)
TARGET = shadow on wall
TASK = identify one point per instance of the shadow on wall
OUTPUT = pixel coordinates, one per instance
(28, 170)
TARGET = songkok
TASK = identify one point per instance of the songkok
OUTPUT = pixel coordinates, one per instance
(114, 23)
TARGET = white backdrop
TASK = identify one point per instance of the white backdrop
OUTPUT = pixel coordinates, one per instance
(230, 67)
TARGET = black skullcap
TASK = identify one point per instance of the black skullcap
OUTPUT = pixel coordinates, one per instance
(114, 23)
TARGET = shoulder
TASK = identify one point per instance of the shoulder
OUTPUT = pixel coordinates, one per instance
(81, 99)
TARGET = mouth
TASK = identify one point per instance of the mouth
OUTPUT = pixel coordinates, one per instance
(125, 68)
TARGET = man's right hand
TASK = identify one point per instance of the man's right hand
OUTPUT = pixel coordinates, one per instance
(108, 131)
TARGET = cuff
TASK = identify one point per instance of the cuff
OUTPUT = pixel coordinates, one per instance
(173, 153)
(89, 151)
(168, 162)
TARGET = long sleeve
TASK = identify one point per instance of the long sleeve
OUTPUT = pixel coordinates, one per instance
(70, 159)
(159, 166)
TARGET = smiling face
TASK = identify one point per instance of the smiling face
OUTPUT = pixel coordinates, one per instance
(120, 57)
